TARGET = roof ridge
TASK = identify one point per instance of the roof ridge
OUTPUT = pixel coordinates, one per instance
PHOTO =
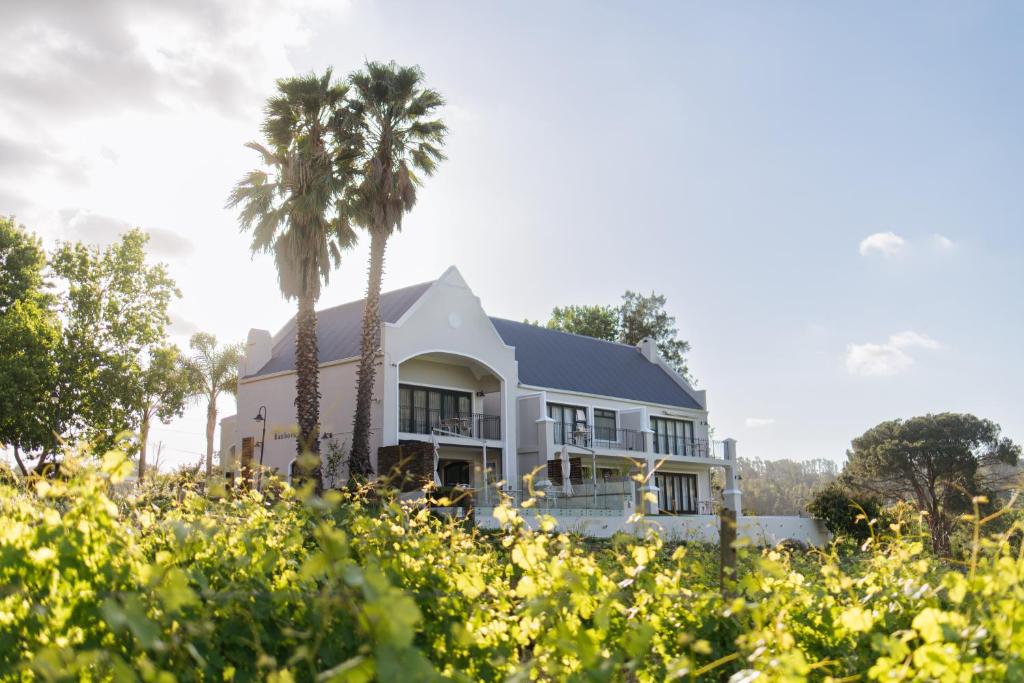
(571, 334)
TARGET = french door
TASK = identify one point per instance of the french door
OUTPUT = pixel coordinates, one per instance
(677, 493)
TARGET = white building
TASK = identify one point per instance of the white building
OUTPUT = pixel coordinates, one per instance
(514, 393)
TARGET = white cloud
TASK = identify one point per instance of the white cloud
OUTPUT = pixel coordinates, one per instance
(104, 230)
(910, 339)
(887, 244)
(755, 422)
(943, 243)
(890, 358)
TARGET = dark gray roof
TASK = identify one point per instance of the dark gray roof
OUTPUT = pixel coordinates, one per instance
(338, 329)
(559, 360)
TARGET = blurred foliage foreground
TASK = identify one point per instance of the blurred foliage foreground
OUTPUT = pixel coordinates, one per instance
(163, 584)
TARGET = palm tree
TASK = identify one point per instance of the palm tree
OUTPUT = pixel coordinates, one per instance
(216, 372)
(295, 209)
(401, 137)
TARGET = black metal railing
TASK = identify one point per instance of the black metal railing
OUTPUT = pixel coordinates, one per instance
(694, 448)
(425, 421)
(579, 434)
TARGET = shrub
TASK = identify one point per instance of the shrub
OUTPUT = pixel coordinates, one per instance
(352, 587)
(845, 515)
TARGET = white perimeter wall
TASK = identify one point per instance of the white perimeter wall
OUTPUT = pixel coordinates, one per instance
(761, 531)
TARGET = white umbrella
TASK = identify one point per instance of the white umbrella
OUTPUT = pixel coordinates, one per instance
(437, 459)
(566, 472)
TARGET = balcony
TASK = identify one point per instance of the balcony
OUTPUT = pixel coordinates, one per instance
(688, 447)
(470, 425)
(579, 434)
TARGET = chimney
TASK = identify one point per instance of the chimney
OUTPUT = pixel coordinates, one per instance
(257, 351)
(649, 349)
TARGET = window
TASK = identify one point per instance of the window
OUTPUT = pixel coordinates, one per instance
(673, 437)
(604, 425)
(420, 409)
(454, 472)
(677, 493)
(570, 423)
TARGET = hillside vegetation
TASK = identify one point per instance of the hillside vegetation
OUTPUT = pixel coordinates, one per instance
(167, 584)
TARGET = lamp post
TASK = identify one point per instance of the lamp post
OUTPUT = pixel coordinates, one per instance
(261, 416)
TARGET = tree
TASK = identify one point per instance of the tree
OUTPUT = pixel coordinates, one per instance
(599, 322)
(167, 383)
(114, 307)
(939, 462)
(782, 487)
(637, 318)
(295, 209)
(29, 334)
(215, 370)
(844, 513)
(645, 316)
(401, 138)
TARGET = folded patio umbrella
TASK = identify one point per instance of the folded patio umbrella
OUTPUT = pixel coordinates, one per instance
(437, 459)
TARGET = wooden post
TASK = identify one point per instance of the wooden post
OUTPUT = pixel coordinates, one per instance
(727, 543)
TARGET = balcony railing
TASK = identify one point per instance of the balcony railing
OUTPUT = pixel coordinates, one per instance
(598, 437)
(693, 448)
(473, 425)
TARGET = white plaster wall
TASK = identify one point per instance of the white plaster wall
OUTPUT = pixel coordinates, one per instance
(449, 319)
(446, 375)
(761, 531)
(277, 393)
(229, 438)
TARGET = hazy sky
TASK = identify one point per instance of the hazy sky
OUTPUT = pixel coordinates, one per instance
(830, 197)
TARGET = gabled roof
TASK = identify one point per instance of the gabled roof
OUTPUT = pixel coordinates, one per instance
(339, 329)
(572, 362)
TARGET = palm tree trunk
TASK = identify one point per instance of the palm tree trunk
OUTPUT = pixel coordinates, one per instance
(359, 462)
(143, 438)
(307, 391)
(211, 425)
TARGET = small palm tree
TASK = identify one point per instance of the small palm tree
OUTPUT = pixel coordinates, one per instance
(215, 369)
(401, 138)
(295, 209)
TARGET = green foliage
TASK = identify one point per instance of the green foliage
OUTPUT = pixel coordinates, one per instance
(844, 514)
(940, 462)
(214, 371)
(161, 583)
(29, 334)
(294, 206)
(637, 318)
(599, 322)
(114, 306)
(782, 487)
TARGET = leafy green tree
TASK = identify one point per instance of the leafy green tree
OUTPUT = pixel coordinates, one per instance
(645, 316)
(215, 369)
(637, 318)
(938, 462)
(29, 334)
(114, 307)
(844, 513)
(295, 209)
(599, 322)
(402, 138)
(167, 382)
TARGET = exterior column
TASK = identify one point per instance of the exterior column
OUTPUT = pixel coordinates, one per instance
(732, 494)
(545, 446)
(649, 492)
(509, 421)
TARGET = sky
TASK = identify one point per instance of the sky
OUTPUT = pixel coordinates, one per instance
(827, 194)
